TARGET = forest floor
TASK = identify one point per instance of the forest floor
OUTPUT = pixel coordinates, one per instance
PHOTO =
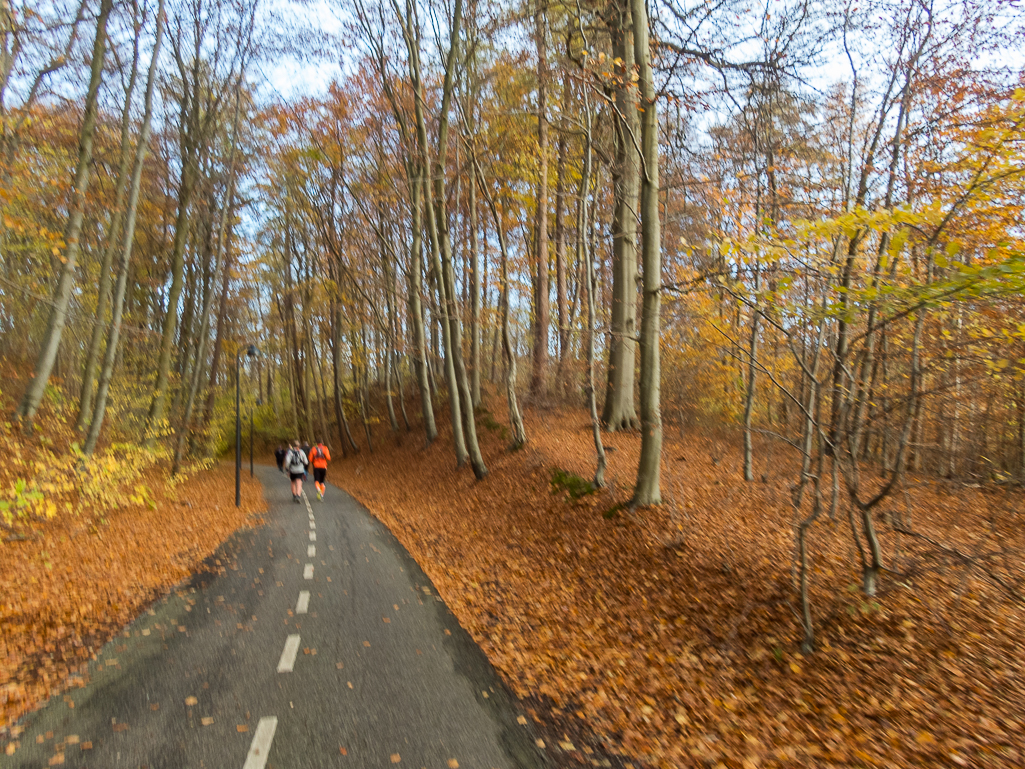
(70, 584)
(671, 636)
(668, 636)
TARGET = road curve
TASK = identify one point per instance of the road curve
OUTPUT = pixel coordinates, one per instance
(315, 641)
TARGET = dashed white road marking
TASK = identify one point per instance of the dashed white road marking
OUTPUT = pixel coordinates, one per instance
(308, 571)
(313, 525)
(259, 750)
(303, 604)
(311, 551)
(313, 536)
(287, 661)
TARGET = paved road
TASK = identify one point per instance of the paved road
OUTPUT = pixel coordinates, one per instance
(320, 644)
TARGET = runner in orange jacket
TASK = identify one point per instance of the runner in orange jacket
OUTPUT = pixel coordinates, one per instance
(319, 457)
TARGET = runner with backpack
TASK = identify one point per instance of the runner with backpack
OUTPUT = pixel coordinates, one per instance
(296, 463)
(320, 456)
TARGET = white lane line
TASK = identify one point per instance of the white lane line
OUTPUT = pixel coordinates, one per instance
(259, 750)
(313, 525)
(311, 551)
(308, 571)
(313, 536)
(287, 661)
(303, 604)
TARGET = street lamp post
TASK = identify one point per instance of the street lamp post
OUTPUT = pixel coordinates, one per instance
(251, 353)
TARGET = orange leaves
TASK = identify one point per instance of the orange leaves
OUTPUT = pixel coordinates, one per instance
(687, 653)
(102, 572)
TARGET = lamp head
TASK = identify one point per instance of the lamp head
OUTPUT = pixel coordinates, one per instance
(251, 351)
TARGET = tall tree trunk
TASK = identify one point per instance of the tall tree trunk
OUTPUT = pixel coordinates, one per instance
(219, 334)
(436, 216)
(416, 318)
(362, 378)
(92, 357)
(344, 433)
(585, 256)
(619, 412)
(539, 372)
(128, 236)
(402, 393)
(224, 228)
(752, 373)
(562, 309)
(390, 401)
(515, 419)
(155, 416)
(475, 299)
(390, 296)
(647, 490)
(316, 373)
(30, 401)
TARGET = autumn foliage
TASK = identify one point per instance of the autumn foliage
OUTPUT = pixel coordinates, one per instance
(670, 635)
(88, 549)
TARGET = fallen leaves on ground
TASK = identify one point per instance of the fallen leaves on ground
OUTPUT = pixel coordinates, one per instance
(670, 635)
(71, 586)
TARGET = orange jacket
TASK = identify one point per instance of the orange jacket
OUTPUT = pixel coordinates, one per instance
(319, 461)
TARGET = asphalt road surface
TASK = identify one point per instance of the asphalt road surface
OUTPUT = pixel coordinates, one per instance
(320, 643)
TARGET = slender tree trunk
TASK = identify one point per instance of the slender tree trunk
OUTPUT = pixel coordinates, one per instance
(649, 468)
(562, 309)
(219, 334)
(416, 320)
(752, 372)
(584, 256)
(364, 388)
(433, 218)
(155, 417)
(227, 211)
(103, 295)
(402, 392)
(30, 401)
(515, 419)
(539, 372)
(393, 420)
(475, 298)
(619, 412)
(128, 236)
(317, 373)
(344, 433)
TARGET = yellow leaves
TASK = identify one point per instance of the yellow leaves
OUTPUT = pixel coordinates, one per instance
(190, 701)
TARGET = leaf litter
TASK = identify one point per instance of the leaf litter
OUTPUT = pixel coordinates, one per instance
(75, 582)
(668, 637)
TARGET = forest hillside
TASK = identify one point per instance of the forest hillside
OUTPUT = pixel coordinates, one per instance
(669, 637)
(744, 280)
